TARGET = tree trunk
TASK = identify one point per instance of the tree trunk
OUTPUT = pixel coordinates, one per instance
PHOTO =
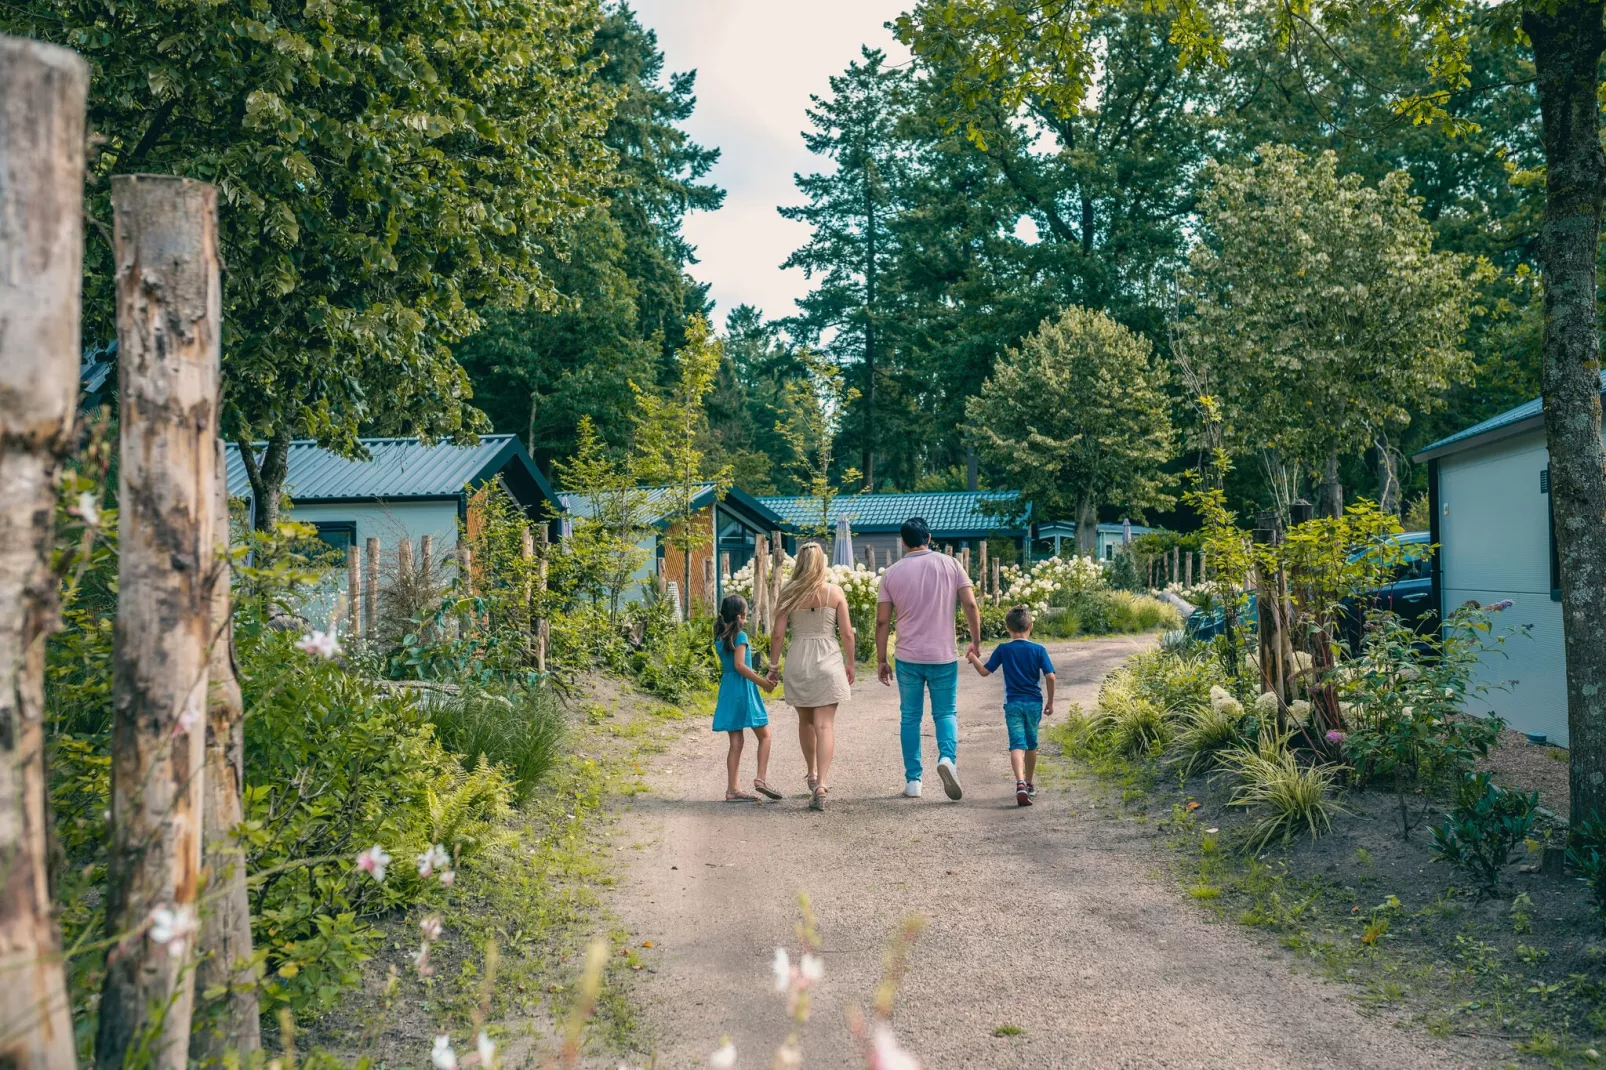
(1388, 477)
(42, 91)
(1330, 499)
(869, 328)
(266, 475)
(225, 943)
(168, 313)
(1087, 527)
(1567, 44)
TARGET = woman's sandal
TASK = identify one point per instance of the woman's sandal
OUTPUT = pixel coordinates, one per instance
(813, 783)
(740, 796)
(764, 789)
(817, 801)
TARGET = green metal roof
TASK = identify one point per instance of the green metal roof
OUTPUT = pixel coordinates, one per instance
(660, 502)
(402, 468)
(953, 514)
(1528, 410)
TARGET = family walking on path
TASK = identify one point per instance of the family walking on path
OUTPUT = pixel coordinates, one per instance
(923, 592)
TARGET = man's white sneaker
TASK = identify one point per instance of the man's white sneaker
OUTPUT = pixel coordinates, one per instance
(911, 790)
(950, 778)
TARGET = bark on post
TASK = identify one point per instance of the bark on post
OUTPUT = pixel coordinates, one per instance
(370, 593)
(1187, 569)
(758, 610)
(981, 564)
(543, 627)
(426, 563)
(168, 310)
(353, 592)
(777, 563)
(1568, 41)
(404, 567)
(527, 555)
(225, 941)
(42, 92)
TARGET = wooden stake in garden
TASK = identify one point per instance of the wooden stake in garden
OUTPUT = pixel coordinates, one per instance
(370, 594)
(169, 306)
(353, 592)
(543, 627)
(426, 562)
(758, 610)
(981, 564)
(224, 946)
(42, 91)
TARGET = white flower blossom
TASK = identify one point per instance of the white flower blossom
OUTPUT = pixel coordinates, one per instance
(487, 1048)
(442, 1054)
(811, 967)
(783, 969)
(374, 860)
(88, 509)
(172, 928)
(433, 859)
(431, 927)
(320, 644)
(885, 1054)
(724, 1058)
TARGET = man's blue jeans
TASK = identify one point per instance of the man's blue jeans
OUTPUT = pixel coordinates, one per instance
(913, 680)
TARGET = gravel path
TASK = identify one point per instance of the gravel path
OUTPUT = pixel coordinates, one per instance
(1046, 919)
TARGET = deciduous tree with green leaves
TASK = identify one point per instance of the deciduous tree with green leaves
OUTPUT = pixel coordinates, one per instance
(603, 551)
(810, 432)
(1321, 309)
(1078, 418)
(670, 431)
(384, 169)
(1566, 38)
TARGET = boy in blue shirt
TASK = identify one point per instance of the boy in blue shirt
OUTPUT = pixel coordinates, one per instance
(1023, 662)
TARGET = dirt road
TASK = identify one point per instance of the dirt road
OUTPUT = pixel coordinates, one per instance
(1049, 941)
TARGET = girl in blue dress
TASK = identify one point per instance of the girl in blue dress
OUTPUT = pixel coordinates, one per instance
(740, 706)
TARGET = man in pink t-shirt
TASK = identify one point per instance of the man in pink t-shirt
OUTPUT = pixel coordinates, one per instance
(923, 591)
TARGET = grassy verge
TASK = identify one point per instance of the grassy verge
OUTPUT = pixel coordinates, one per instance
(1367, 908)
(512, 948)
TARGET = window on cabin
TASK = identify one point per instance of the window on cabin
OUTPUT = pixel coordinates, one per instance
(340, 534)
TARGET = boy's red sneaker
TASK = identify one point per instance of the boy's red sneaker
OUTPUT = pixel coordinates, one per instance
(1023, 796)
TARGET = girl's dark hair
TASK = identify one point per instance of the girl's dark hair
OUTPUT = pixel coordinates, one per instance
(733, 606)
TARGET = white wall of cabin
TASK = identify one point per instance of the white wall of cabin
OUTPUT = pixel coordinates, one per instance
(1494, 531)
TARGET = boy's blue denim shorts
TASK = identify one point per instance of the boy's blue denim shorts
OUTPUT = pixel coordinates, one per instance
(1022, 719)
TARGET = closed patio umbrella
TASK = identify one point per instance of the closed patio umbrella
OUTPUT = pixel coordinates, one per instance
(842, 549)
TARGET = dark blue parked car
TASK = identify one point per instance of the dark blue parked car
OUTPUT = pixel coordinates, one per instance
(1409, 595)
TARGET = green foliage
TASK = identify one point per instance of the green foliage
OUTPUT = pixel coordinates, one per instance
(671, 430)
(537, 372)
(382, 175)
(1126, 720)
(1076, 418)
(1481, 830)
(1208, 732)
(675, 661)
(1292, 793)
(1407, 693)
(1587, 853)
(1181, 682)
(603, 550)
(520, 730)
(1381, 315)
(816, 405)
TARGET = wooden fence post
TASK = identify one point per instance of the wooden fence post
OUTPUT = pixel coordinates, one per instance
(1187, 569)
(42, 93)
(224, 946)
(404, 566)
(527, 555)
(169, 306)
(353, 592)
(426, 561)
(370, 594)
(777, 563)
(981, 565)
(543, 627)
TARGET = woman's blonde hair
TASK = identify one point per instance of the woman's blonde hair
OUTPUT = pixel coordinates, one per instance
(809, 577)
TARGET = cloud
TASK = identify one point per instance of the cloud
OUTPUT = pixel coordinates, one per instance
(757, 62)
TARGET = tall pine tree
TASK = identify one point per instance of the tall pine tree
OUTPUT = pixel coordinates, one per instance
(850, 210)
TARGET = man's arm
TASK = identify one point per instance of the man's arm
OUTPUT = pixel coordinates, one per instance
(967, 599)
(883, 625)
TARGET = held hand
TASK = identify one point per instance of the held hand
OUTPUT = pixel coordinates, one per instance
(883, 672)
(975, 649)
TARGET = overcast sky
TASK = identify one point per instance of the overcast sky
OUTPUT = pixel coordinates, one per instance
(757, 61)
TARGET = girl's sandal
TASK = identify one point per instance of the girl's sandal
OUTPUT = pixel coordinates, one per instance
(764, 789)
(740, 796)
(817, 802)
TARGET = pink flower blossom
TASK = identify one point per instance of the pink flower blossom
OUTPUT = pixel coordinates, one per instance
(431, 927)
(319, 644)
(885, 1054)
(186, 721)
(448, 876)
(374, 860)
(1496, 607)
(1335, 736)
(421, 960)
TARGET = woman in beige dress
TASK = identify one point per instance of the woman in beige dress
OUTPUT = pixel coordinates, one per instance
(818, 674)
